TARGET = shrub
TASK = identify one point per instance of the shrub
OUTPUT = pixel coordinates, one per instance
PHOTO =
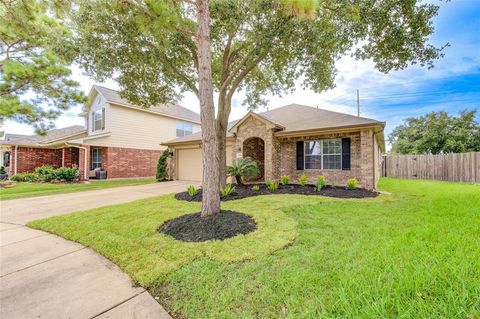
(255, 188)
(352, 183)
(227, 190)
(66, 174)
(192, 190)
(273, 186)
(25, 177)
(320, 184)
(161, 174)
(46, 173)
(2, 170)
(243, 168)
(303, 180)
(284, 180)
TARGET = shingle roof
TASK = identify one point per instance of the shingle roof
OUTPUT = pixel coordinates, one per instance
(52, 135)
(173, 110)
(13, 137)
(296, 117)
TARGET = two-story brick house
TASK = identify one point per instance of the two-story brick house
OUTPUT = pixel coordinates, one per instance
(121, 138)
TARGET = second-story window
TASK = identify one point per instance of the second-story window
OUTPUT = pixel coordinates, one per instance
(98, 120)
(184, 129)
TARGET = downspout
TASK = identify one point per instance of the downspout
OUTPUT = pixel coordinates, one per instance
(85, 160)
(16, 160)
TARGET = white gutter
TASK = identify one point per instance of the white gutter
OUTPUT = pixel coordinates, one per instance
(85, 161)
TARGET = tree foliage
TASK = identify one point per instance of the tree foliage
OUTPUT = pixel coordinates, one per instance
(259, 47)
(34, 63)
(159, 49)
(436, 133)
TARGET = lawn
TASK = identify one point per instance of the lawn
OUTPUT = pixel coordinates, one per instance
(414, 253)
(22, 190)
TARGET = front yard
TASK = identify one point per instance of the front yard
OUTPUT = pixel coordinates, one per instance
(413, 254)
(22, 190)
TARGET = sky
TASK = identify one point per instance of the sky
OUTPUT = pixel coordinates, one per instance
(452, 85)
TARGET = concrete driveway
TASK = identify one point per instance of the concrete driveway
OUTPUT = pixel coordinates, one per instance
(45, 276)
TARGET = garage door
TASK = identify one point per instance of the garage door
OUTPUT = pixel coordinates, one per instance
(190, 164)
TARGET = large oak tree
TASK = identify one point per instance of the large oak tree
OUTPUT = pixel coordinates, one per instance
(159, 49)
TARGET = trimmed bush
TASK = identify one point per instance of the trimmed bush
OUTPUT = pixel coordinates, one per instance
(352, 183)
(303, 180)
(66, 174)
(2, 170)
(25, 177)
(284, 180)
(161, 174)
(45, 173)
(255, 188)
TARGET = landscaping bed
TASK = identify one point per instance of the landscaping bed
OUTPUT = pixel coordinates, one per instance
(247, 191)
(193, 228)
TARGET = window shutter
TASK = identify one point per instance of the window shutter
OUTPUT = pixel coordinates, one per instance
(93, 121)
(300, 156)
(103, 118)
(346, 154)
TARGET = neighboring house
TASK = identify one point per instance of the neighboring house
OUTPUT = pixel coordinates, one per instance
(121, 138)
(292, 140)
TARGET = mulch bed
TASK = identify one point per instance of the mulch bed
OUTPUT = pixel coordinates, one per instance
(193, 228)
(247, 191)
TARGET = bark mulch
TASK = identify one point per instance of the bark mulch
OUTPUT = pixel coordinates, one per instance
(193, 228)
(247, 191)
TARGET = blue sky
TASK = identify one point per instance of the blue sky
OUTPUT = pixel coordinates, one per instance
(452, 85)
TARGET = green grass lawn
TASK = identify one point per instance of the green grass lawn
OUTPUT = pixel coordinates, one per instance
(412, 254)
(22, 190)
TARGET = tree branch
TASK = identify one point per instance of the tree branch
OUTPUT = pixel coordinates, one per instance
(171, 67)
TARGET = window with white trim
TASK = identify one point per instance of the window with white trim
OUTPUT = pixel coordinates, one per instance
(184, 129)
(98, 120)
(323, 154)
(96, 158)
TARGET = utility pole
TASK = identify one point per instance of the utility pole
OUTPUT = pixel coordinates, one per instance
(358, 102)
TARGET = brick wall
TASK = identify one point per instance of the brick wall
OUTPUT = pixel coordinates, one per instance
(362, 165)
(129, 162)
(30, 157)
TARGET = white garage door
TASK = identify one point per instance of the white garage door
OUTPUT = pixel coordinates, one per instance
(190, 164)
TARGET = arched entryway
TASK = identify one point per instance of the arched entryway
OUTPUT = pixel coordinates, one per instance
(254, 147)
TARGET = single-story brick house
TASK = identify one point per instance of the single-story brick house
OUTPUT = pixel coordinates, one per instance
(121, 138)
(292, 140)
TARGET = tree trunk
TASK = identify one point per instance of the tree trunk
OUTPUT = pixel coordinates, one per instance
(210, 191)
(239, 180)
(224, 107)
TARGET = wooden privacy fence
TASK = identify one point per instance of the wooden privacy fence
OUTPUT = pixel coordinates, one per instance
(454, 167)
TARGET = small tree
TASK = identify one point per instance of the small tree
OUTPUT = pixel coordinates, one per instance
(243, 168)
(162, 166)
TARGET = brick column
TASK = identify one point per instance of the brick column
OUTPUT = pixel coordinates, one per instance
(81, 163)
(366, 159)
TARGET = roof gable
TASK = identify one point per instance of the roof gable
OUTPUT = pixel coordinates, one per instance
(170, 110)
(261, 118)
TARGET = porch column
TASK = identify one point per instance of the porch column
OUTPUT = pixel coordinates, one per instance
(83, 162)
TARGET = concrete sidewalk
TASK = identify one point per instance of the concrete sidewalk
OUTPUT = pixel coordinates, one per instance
(45, 276)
